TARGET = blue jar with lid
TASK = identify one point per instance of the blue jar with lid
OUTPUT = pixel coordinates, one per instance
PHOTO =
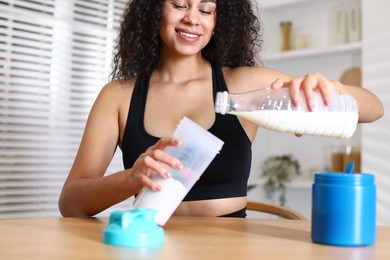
(343, 209)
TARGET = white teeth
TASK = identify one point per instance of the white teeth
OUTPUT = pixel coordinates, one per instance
(188, 34)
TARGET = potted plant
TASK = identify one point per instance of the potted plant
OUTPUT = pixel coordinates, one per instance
(278, 171)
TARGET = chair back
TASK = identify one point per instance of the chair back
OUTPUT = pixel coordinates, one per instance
(273, 209)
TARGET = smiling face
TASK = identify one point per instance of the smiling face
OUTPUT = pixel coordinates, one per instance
(187, 25)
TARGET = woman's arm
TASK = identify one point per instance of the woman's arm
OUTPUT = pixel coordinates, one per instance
(87, 191)
(250, 78)
(370, 107)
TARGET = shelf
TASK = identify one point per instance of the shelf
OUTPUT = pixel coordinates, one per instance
(275, 4)
(312, 52)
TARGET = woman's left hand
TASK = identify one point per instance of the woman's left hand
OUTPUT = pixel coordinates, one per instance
(308, 84)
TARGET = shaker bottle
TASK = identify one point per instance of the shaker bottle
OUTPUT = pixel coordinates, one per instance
(343, 209)
(273, 109)
(198, 149)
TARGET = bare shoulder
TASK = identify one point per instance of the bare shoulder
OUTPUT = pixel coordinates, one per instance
(119, 87)
(115, 92)
(248, 78)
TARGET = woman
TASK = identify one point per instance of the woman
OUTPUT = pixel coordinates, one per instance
(173, 56)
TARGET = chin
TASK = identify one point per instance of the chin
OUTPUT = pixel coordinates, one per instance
(189, 51)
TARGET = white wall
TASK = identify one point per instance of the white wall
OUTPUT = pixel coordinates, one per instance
(376, 76)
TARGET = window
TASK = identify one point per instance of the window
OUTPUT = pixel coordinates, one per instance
(55, 56)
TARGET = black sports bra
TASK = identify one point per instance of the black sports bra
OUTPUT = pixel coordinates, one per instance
(226, 176)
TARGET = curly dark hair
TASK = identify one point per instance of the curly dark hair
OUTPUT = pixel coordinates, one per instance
(235, 42)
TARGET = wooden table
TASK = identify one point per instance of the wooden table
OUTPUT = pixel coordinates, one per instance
(185, 238)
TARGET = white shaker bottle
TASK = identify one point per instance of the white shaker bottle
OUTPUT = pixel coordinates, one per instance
(198, 149)
(272, 109)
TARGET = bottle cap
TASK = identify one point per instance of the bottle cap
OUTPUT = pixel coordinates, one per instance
(221, 102)
(133, 228)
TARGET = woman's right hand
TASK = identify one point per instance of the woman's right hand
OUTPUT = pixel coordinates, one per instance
(153, 160)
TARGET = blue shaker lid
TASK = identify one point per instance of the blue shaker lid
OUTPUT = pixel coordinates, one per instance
(342, 178)
(133, 228)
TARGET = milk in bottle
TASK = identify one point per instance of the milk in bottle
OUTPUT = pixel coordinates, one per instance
(272, 109)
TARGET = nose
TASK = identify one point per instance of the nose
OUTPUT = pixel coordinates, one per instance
(191, 17)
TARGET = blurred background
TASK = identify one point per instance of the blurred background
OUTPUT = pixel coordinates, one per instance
(55, 56)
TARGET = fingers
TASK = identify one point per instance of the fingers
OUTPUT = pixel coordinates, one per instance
(294, 86)
(278, 83)
(307, 85)
(155, 160)
(158, 154)
(150, 184)
(295, 89)
(152, 165)
(165, 142)
(318, 82)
